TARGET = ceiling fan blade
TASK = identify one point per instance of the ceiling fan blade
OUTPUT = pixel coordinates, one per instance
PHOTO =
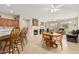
(59, 6)
(52, 6)
(52, 10)
(56, 10)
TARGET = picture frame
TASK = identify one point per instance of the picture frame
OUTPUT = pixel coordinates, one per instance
(41, 23)
(34, 22)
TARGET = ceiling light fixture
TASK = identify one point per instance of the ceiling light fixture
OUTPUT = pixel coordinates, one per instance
(55, 7)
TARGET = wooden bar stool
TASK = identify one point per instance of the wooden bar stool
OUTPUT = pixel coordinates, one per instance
(23, 35)
(12, 44)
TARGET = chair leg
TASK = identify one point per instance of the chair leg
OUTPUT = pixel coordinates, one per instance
(56, 45)
(61, 45)
(13, 49)
(17, 49)
(9, 49)
(22, 45)
(26, 39)
(42, 44)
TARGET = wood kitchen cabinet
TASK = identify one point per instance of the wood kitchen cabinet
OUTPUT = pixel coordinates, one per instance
(9, 22)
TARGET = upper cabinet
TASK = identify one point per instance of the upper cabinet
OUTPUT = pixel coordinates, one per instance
(9, 22)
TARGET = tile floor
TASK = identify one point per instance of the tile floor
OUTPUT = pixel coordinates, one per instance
(34, 47)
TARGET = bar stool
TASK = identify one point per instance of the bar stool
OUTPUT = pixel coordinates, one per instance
(23, 35)
(12, 43)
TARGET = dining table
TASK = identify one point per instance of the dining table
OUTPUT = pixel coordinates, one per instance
(56, 35)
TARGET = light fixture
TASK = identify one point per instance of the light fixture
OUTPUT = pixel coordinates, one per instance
(55, 7)
(54, 10)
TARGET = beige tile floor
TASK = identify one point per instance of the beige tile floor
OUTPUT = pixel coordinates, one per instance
(34, 47)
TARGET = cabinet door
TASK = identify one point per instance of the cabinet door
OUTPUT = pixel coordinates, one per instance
(9, 22)
(16, 23)
(2, 22)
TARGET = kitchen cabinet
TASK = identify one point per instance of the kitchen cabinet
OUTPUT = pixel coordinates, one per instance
(9, 22)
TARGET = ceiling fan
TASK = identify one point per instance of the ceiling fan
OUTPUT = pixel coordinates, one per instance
(56, 7)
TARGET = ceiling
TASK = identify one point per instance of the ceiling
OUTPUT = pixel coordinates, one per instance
(37, 10)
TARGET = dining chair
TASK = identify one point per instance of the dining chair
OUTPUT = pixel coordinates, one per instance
(13, 42)
(60, 41)
(54, 44)
(45, 40)
(61, 38)
(48, 40)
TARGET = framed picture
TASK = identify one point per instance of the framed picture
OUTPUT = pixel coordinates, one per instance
(41, 23)
(34, 22)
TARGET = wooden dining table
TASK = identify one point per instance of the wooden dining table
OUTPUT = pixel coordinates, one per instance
(54, 35)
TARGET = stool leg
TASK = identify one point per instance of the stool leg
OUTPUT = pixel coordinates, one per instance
(13, 49)
(4, 47)
(22, 44)
(17, 49)
(26, 39)
(9, 49)
(61, 45)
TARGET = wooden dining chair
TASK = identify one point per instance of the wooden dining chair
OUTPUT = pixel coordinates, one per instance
(45, 40)
(60, 41)
(12, 44)
(54, 44)
(14, 37)
(61, 38)
(48, 40)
